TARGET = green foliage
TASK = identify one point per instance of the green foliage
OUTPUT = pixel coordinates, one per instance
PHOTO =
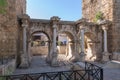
(2, 11)
(98, 16)
(59, 43)
(3, 4)
(42, 43)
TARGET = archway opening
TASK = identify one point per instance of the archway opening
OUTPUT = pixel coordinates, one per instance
(90, 46)
(39, 44)
(65, 44)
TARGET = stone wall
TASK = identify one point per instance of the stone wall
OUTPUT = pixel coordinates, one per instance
(39, 50)
(61, 49)
(43, 50)
(91, 7)
(9, 26)
(8, 68)
(116, 26)
(110, 10)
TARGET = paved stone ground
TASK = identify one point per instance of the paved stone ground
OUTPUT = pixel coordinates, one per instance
(110, 73)
(39, 65)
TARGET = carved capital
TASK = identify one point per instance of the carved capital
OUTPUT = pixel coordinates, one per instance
(55, 19)
(104, 27)
(24, 19)
(54, 25)
(81, 23)
(82, 27)
(24, 23)
(104, 24)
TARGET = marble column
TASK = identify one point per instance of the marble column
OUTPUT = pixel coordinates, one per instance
(24, 57)
(82, 54)
(105, 53)
(69, 49)
(54, 51)
(48, 59)
(54, 38)
(29, 52)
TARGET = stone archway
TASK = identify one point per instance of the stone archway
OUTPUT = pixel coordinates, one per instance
(76, 31)
(40, 43)
(68, 47)
(90, 46)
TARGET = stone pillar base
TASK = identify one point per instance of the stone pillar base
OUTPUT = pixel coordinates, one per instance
(106, 57)
(48, 59)
(24, 65)
(82, 56)
(24, 62)
(54, 61)
(75, 57)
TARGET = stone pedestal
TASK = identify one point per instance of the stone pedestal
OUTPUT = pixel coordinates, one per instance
(106, 57)
(82, 56)
(54, 61)
(24, 62)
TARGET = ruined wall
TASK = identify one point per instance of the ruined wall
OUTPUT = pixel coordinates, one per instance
(111, 11)
(90, 10)
(116, 29)
(91, 7)
(9, 25)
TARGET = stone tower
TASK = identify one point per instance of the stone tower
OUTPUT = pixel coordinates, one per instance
(9, 12)
(111, 12)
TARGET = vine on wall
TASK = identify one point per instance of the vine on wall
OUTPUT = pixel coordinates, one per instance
(3, 5)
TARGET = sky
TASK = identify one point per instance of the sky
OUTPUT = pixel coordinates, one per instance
(65, 9)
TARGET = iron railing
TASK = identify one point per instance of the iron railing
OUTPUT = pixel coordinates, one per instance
(95, 72)
(91, 72)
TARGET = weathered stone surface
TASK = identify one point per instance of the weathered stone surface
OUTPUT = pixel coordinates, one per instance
(9, 28)
(110, 10)
(11, 36)
(112, 64)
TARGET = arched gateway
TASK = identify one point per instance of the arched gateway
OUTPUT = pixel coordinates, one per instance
(83, 39)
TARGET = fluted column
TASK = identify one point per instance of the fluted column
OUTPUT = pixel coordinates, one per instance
(105, 53)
